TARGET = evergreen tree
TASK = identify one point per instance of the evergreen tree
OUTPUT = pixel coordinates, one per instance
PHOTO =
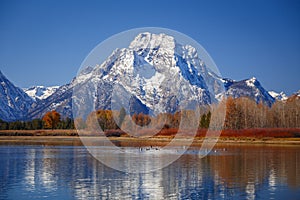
(122, 116)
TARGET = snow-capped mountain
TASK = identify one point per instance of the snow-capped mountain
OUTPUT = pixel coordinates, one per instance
(248, 88)
(15, 103)
(155, 72)
(278, 96)
(60, 101)
(40, 92)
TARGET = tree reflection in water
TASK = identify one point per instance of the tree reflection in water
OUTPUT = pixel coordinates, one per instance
(242, 171)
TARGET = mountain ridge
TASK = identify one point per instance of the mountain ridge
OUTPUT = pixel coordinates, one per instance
(54, 103)
(15, 103)
(40, 92)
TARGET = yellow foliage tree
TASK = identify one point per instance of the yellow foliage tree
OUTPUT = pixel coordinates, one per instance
(51, 119)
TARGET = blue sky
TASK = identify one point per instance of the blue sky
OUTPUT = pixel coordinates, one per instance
(45, 42)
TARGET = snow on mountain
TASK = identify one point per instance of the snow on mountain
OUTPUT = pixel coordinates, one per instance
(248, 88)
(251, 82)
(40, 92)
(278, 96)
(61, 99)
(155, 72)
(15, 103)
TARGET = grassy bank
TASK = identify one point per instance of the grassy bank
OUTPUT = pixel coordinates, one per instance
(43, 132)
(139, 142)
(171, 132)
(162, 138)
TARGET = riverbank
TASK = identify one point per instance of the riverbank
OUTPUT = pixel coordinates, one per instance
(70, 137)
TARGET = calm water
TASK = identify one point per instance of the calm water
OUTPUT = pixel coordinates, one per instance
(67, 172)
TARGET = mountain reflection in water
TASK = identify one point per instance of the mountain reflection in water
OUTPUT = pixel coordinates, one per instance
(67, 172)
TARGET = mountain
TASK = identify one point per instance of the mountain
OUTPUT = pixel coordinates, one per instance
(60, 101)
(40, 92)
(248, 88)
(154, 74)
(15, 103)
(278, 96)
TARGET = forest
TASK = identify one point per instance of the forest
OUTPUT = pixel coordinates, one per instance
(51, 120)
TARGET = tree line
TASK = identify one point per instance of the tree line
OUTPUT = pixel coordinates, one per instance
(51, 120)
(108, 119)
(244, 113)
(241, 113)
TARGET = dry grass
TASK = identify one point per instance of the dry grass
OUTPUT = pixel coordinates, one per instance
(145, 138)
(170, 133)
(43, 132)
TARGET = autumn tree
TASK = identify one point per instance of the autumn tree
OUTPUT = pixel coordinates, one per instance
(51, 119)
(234, 113)
(141, 119)
(188, 119)
(292, 111)
(106, 120)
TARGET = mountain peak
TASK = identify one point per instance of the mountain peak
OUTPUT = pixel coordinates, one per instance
(252, 82)
(278, 96)
(148, 40)
(253, 79)
(15, 103)
(248, 88)
(40, 92)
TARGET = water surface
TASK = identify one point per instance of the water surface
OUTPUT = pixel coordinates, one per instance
(229, 172)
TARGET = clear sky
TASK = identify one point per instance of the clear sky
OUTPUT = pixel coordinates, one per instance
(44, 42)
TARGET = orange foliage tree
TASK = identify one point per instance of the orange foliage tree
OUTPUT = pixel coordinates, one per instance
(51, 119)
(141, 119)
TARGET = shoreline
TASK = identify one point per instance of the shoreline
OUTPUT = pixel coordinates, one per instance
(139, 142)
(70, 137)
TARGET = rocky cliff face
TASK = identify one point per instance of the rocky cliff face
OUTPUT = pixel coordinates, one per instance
(15, 103)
